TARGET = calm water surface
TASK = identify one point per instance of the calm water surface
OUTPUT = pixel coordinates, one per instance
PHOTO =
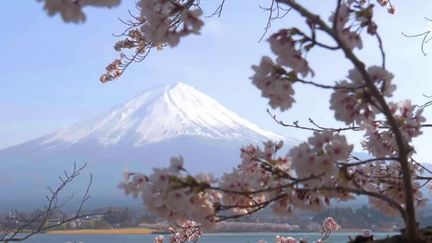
(208, 238)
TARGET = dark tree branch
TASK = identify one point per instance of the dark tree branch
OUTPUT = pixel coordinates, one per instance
(317, 128)
(274, 12)
(20, 231)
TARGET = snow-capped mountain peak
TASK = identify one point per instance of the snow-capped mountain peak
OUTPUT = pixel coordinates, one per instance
(160, 114)
(141, 134)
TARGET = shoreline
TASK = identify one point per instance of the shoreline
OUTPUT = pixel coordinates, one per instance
(145, 231)
(122, 231)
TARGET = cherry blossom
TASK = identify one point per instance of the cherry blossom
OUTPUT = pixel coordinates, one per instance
(71, 10)
(159, 14)
(288, 239)
(384, 178)
(113, 71)
(283, 45)
(269, 79)
(166, 193)
(135, 186)
(189, 231)
(383, 2)
(329, 224)
(407, 118)
(318, 157)
(159, 239)
(253, 174)
(391, 9)
(350, 38)
(353, 102)
(381, 142)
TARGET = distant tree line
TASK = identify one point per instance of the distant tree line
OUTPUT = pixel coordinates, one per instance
(363, 217)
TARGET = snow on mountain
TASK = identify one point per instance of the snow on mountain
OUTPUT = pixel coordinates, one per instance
(162, 113)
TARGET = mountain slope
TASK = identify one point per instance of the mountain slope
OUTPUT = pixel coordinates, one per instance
(161, 114)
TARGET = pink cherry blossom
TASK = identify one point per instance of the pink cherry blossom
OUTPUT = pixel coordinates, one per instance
(189, 231)
(288, 239)
(158, 15)
(329, 224)
(350, 38)
(283, 46)
(318, 157)
(353, 102)
(159, 239)
(381, 142)
(268, 78)
(71, 10)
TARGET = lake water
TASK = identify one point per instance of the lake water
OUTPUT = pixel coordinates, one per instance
(208, 238)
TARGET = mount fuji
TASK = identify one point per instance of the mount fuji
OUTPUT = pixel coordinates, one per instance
(160, 114)
(141, 134)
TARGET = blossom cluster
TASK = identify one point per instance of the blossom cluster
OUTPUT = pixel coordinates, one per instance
(385, 178)
(300, 179)
(262, 178)
(71, 10)
(288, 53)
(269, 78)
(318, 157)
(113, 71)
(353, 101)
(290, 45)
(350, 38)
(255, 173)
(329, 225)
(380, 140)
(285, 239)
(160, 23)
(189, 231)
(391, 8)
(168, 193)
(315, 166)
(159, 239)
(352, 14)
(163, 17)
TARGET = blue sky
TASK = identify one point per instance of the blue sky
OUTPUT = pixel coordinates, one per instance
(50, 70)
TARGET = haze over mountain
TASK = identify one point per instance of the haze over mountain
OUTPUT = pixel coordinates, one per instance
(141, 134)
